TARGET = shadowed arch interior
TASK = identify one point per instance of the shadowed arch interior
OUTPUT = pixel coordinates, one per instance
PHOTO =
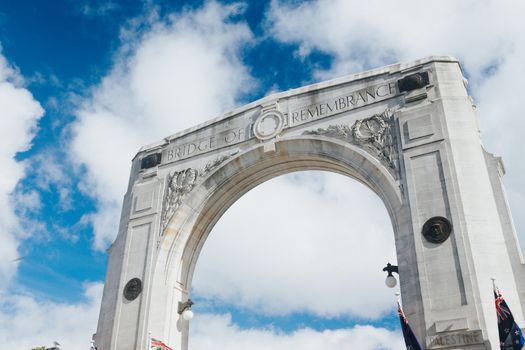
(254, 167)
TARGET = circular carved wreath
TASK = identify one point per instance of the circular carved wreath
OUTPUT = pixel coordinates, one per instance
(369, 129)
(183, 181)
(275, 123)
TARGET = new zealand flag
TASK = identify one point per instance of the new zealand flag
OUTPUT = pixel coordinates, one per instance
(410, 338)
(510, 336)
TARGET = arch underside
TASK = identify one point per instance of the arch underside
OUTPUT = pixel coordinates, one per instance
(239, 175)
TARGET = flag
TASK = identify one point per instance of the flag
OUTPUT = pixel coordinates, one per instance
(410, 338)
(510, 335)
(158, 345)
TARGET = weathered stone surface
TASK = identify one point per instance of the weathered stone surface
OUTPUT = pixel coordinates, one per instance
(418, 149)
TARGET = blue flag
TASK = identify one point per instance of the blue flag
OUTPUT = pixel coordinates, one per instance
(410, 338)
(510, 335)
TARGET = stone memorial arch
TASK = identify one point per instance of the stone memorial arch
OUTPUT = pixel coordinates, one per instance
(407, 131)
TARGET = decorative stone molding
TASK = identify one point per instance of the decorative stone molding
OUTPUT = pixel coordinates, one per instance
(269, 124)
(181, 183)
(375, 134)
(209, 167)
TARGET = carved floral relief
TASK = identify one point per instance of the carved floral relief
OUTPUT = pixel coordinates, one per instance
(181, 183)
(375, 134)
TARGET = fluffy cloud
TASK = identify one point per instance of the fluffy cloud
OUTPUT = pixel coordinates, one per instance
(180, 71)
(26, 322)
(361, 35)
(219, 332)
(503, 125)
(102, 8)
(484, 36)
(312, 242)
(19, 114)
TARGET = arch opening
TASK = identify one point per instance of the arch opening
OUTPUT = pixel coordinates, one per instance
(191, 225)
(306, 267)
(255, 167)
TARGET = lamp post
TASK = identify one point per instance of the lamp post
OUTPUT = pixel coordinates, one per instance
(390, 280)
(185, 309)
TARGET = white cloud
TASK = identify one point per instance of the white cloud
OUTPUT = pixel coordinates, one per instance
(486, 36)
(97, 9)
(19, 114)
(302, 242)
(218, 332)
(53, 174)
(503, 126)
(28, 201)
(26, 322)
(181, 71)
(361, 35)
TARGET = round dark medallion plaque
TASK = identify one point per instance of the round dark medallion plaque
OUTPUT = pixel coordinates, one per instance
(437, 229)
(133, 289)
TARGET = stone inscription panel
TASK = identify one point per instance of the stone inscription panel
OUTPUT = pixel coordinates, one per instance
(420, 126)
(450, 340)
(339, 104)
(295, 113)
(206, 144)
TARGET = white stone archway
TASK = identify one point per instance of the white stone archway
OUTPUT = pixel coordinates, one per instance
(246, 171)
(408, 132)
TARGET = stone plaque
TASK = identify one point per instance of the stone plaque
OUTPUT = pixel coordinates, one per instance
(420, 127)
(133, 289)
(453, 340)
(144, 201)
(437, 229)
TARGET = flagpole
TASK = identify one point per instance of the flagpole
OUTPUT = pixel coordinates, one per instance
(493, 283)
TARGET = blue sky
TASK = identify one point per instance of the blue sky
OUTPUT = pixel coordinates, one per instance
(84, 84)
